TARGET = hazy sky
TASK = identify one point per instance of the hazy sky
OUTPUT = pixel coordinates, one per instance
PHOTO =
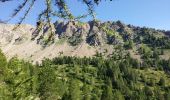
(150, 13)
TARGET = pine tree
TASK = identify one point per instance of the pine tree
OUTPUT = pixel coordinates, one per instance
(46, 79)
(3, 61)
(86, 92)
(107, 92)
(74, 90)
(162, 81)
(117, 95)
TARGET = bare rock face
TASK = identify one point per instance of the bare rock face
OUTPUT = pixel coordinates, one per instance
(67, 29)
(115, 41)
(10, 36)
(5, 37)
(95, 37)
(94, 40)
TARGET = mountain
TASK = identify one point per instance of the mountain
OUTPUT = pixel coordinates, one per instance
(81, 39)
(91, 61)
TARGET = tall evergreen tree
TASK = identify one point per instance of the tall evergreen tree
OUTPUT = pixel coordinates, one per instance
(3, 61)
(74, 90)
(107, 92)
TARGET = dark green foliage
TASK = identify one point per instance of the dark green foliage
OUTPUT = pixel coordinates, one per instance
(3, 61)
(73, 78)
(148, 93)
(19, 79)
(46, 78)
(167, 95)
(118, 95)
(162, 42)
(107, 92)
(162, 82)
(74, 90)
(147, 36)
(128, 45)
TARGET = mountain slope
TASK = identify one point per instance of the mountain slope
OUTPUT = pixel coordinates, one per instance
(80, 39)
(135, 69)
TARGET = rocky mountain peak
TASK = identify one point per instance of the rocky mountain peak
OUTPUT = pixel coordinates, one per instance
(71, 38)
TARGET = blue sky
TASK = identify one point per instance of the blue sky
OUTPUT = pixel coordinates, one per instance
(149, 13)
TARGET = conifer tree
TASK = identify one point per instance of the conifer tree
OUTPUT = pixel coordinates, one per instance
(3, 61)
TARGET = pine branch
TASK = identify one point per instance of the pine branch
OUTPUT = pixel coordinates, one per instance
(45, 16)
(18, 9)
(90, 6)
(25, 15)
(63, 9)
(48, 13)
(4, 0)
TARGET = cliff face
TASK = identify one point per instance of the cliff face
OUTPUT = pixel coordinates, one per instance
(71, 39)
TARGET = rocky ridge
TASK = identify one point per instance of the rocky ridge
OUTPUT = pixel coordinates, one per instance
(71, 39)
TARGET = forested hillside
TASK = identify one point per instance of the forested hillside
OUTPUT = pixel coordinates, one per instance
(95, 78)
